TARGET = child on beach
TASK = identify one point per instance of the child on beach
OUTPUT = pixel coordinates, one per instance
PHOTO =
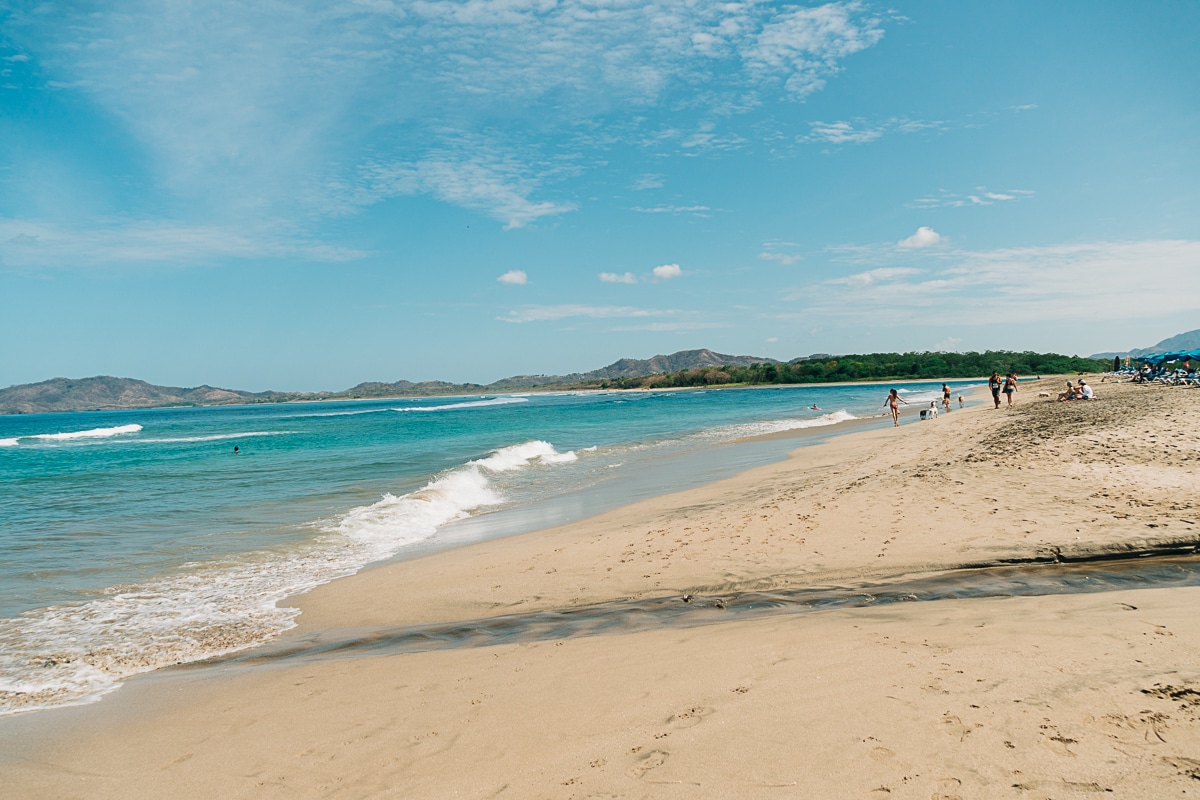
(893, 401)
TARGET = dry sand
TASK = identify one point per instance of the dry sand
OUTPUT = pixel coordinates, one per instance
(1033, 697)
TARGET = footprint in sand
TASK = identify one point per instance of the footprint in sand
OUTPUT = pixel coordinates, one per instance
(947, 789)
(689, 717)
(953, 726)
(652, 760)
(881, 754)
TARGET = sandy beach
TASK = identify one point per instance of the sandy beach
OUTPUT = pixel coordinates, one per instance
(1054, 696)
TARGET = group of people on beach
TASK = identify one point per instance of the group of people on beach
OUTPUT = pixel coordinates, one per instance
(894, 400)
(997, 385)
(1073, 392)
(1008, 386)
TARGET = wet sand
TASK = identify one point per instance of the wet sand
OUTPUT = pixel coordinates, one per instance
(1047, 696)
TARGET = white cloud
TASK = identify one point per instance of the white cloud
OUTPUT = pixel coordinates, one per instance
(842, 133)
(860, 131)
(672, 327)
(787, 259)
(614, 277)
(119, 242)
(807, 44)
(771, 339)
(665, 272)
(648, 181)
(699, 211)
(924, 237)
(490, 184)
(981, 197)
(1026, 107)
(875, 276)
(17, 58)
(516, 277)
(541, 313)
(1087, 283)
(340, 97)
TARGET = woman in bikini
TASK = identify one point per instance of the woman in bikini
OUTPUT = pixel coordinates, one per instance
(1010, 387)
(893, 402)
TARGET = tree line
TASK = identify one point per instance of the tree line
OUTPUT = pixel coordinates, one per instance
(869, 367)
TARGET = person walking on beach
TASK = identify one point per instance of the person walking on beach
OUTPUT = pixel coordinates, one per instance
(994, 385)
(893, 402)
(946, 396)
(1010, 388)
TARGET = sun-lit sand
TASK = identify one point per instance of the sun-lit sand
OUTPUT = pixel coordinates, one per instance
(1057, 696)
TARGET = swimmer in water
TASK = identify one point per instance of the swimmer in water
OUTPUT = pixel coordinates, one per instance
(235, 450)
(814, 407)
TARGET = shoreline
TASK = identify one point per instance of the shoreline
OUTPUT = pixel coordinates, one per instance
(737, 707)
(498, 393)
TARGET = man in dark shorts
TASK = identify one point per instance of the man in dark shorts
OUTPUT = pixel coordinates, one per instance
(994, 384)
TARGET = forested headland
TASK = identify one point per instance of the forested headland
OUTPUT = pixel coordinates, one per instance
(869, 367)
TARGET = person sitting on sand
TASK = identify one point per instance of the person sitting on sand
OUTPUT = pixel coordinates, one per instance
(893, 401)
(1085, 391)
(1068, 394)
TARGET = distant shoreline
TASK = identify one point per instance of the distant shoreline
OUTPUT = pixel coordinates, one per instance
(499, 393)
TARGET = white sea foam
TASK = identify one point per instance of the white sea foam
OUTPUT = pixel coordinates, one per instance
(73, 654)
(495, 401)
(216, 437)
(780, 425)
(94, 433)
(340, 413)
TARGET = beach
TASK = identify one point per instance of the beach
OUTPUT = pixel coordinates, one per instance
(1055, 695)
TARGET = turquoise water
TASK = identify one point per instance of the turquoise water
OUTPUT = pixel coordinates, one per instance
(136, 539)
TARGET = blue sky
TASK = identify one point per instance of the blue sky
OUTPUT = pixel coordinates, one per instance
(308, 195)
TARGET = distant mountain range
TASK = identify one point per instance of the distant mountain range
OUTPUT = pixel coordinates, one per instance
(104, 392)
(1180, 341)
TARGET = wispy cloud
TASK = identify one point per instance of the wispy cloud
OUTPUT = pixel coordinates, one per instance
(698, 211)
(1085, 283)
(787, 259)
(842, 133)
(121, 242)
(807, 44)
(514, 277)
(982, 196)
(551, 313)
(781, 252)
(348, 103)
(615, 277)
(860, 131)
(876, 276)
(647, 181)
(494, 186)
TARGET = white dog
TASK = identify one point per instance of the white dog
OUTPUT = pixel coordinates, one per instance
(931, 412)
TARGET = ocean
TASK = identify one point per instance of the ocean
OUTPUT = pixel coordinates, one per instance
(133, 540)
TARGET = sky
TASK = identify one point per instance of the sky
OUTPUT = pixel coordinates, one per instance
(306, 195)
